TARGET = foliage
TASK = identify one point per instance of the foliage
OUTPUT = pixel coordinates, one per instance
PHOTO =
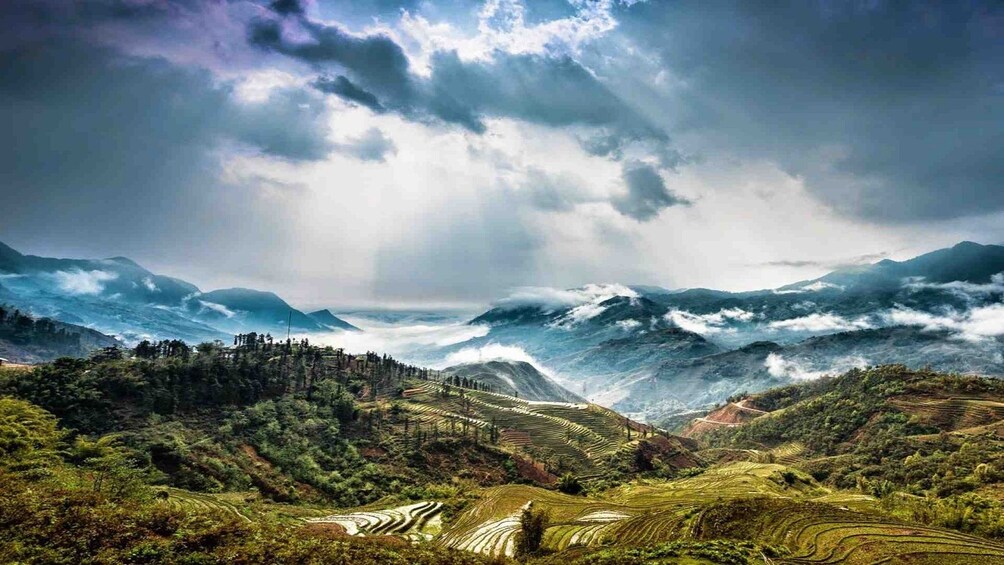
(569, 484)
(532, 523)
(25, 430)
(41, 336)
(41, 523)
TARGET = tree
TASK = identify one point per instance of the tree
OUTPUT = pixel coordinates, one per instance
(145, 350)
(532, 523)
(569, 484)
(110, 467)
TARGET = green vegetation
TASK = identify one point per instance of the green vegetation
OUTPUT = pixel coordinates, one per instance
(927, 444)
(287, 452)
(31, 339)
(532, 525)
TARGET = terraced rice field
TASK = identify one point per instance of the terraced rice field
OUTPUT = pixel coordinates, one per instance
(953, 413)
(582, 433)
(822, 533)
(635, 514)
(201, 502)
(788, 453)
(828, 528)
(415, 521)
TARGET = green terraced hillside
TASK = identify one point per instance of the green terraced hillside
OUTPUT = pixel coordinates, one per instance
(583, 436)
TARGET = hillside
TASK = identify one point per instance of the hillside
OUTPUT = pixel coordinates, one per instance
(880, 430)
(627, 354)
(514, 378)
(24, 339)
(265, 449)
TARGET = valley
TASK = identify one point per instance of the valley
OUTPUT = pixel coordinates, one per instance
(501, 282)
(624, 425)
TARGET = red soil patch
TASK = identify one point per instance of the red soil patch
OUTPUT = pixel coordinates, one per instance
(730, 415)
(252, 454)
(534, 471)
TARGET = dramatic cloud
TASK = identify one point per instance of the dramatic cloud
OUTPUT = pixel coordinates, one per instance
(374, 71)
(416, 150)
(96, 138)
(647, 194)
(890, 111)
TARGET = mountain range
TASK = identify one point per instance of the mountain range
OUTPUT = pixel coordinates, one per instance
(117, 296)
(646, 351)
(651, 352)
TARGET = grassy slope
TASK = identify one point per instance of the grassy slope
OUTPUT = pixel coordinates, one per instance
(786, 486)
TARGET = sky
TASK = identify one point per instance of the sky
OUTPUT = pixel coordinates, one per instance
(445, 152)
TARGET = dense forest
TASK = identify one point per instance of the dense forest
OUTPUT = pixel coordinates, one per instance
(26, 336)
(205, 417)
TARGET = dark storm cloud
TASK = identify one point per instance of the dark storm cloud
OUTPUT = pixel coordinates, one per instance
(130, 148)
(344, 89)
(889, 110)
(646, 195)
(287, 7)
(374, 71)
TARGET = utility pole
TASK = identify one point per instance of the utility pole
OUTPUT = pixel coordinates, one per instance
(289, 322)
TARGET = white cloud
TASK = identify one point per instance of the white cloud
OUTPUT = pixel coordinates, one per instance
(593, 297)
(821, 322)
(502, 27)
(709, 323)
(820, 286)
(817, 286)
(149, 284)
(400, 340)
(492, 351)
(779, 367)
(218, 308)
(628, 325)
(961, 288)
(79, 281)
(974, 324)
(553, 298)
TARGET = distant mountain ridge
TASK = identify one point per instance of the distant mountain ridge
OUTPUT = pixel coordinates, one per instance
(650, 351)
(327, 319)
(118, 296)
